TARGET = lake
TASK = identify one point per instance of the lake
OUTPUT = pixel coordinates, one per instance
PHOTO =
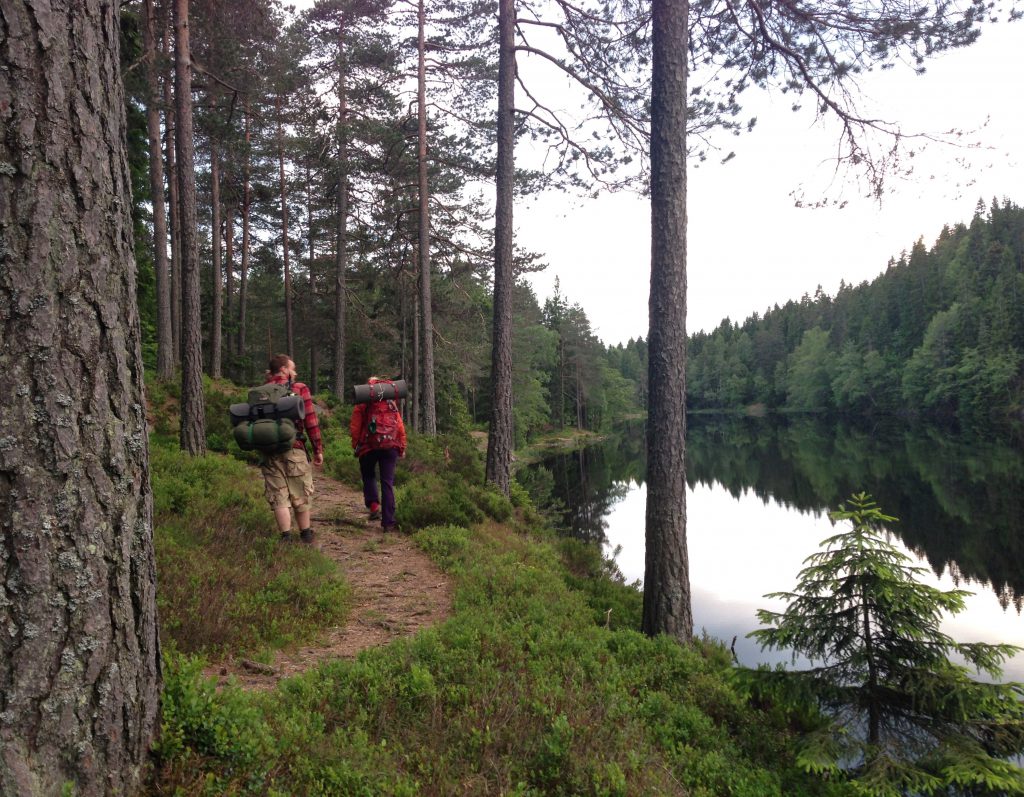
(760, 490)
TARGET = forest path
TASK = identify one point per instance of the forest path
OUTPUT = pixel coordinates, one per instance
(396, 589)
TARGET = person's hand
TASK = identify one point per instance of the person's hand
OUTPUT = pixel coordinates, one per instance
(401, 453)
(318, 459)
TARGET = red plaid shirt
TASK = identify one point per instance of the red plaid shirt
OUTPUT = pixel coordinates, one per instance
(310, 424)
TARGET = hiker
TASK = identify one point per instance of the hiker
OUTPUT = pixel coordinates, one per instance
(378, 439)
(288, 477)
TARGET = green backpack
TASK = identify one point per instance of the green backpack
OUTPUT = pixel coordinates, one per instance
(267, 423)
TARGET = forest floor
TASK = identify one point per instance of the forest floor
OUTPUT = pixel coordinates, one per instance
(396, 590)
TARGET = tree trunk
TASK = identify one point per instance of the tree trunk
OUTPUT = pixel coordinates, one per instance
(229, 269)
(417, 370)
(79, 653)
(193, 411)
(311, 303)
(171, 128)
(500, 441)
(217, 304)
(666, 570)
(427, 402)
(341, 262)
(243, 274)
(288, 329)
(164, 339)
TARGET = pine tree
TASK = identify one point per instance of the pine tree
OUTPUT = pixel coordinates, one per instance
(900, 717)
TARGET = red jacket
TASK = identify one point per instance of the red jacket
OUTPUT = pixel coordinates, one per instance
(357, 428)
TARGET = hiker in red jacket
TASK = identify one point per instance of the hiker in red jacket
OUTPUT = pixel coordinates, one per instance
(288, 477)
(378, 439)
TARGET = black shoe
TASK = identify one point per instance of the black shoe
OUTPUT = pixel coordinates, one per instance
(375, 514)
(394, 528)
(306, 535)
(286, 536)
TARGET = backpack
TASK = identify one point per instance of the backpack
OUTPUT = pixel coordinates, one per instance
(267, 423)
(382, 419)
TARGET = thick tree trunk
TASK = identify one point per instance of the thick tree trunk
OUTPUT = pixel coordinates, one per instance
(171, 130)
(341, 261)
(164, 338)
(666, 571)
(243, 274)
(193, 411)
(288, 328)
(217, 288)
(79, 655)
(500, 441)
(427, 402)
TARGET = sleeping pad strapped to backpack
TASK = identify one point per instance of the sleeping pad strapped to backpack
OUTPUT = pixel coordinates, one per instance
(267, 424)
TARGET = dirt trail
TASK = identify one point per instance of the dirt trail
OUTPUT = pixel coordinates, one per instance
(397, 590)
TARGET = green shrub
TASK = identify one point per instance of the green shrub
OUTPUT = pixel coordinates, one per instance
(226, 584)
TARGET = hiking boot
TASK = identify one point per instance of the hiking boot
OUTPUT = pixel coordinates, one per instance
(286, 536)
(306, 535)
(374, 514)
(394, 528)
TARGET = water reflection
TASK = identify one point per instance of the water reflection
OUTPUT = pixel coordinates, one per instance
(959, 497)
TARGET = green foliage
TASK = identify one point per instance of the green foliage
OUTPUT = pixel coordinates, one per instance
(940, 332)
(226, 584)
(904, 718)
(518, 693)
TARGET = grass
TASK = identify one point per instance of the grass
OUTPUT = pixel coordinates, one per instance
(226, 586)
(530, 688)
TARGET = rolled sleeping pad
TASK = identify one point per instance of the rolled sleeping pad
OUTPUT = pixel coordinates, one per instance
(380, 391)
(291, 407)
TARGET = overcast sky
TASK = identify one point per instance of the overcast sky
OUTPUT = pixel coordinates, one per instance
(749, 246)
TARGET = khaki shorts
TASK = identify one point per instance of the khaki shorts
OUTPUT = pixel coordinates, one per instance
(288, 479)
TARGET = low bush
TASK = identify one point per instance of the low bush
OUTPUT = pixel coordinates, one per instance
(518, 693)
(226, 583)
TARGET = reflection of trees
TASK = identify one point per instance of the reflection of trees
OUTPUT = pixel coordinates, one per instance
(960, 499)
(578, 489)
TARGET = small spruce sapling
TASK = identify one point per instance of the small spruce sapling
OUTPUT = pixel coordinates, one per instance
(902, 718)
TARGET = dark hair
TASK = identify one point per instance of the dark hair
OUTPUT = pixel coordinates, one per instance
(277, 363)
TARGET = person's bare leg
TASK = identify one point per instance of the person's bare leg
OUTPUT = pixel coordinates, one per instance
(283, 515)
(302, 518)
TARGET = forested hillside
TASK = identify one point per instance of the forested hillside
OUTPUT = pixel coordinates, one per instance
(941, 331)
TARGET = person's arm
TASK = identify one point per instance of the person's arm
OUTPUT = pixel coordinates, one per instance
(401, 436)
(311, 424)
(355, 426)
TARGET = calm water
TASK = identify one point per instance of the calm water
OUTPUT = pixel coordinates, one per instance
(760, 491)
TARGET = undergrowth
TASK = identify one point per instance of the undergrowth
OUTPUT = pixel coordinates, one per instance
(226, 585)
(531, 688)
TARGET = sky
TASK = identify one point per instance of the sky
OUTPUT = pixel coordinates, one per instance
(749, 246)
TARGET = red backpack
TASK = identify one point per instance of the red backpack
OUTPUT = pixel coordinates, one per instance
(382, 419)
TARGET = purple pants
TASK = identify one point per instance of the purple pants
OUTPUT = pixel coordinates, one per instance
(387, 458)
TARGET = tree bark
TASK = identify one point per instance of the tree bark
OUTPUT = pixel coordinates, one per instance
(171, 130)
(341, 261)
(193, 411)
(427, 400)
(666, 606)
(217, 303)
(164, 338)
(500, 440)
(79, 653)
(243, 274)
(288, 328)
(229, 269)
(311, 303)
